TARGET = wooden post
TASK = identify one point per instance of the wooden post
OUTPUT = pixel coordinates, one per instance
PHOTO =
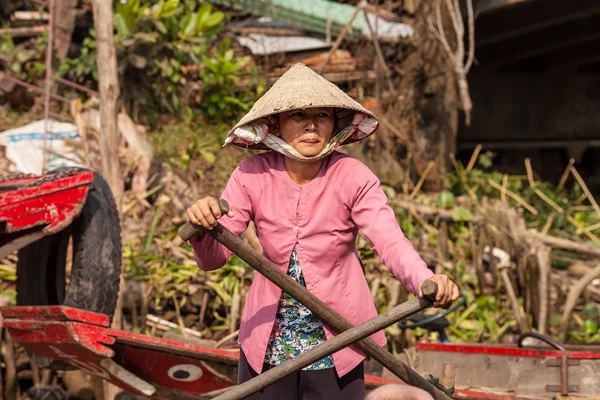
(448, 374)
(108, 83)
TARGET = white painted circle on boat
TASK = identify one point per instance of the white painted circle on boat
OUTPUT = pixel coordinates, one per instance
(185, 372)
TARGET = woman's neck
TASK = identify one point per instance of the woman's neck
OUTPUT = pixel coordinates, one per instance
(302, 172)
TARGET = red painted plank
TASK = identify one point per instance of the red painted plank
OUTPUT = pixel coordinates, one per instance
(503, 351)
(54, 313)
(152, 342)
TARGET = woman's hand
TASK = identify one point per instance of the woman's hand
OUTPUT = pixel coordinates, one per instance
(205, 212)
(447, 291)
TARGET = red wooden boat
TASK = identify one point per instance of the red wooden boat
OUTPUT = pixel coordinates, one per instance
(161, 368)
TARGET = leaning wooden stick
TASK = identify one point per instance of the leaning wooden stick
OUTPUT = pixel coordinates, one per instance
(329, 347)
(318, 307)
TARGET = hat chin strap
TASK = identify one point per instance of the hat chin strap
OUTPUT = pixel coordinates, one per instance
(279, 145)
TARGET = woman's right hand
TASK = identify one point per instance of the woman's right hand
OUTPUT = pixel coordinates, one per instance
(205, 212)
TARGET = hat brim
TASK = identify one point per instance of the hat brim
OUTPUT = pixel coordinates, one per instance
(301, 88)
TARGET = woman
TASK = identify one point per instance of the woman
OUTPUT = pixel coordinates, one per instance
(308, 203)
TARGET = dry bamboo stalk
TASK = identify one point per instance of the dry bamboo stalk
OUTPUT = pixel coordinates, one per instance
(565, 175)
(529, 172)
(165, 325)
(226, 339)
(394, 294)
(1, 376)
(423, 177)
(543, 254)
(462, 177)
(203, 307)
(10, 369)
(473, 159)
(548, 200)
(504, 184)
(396, 131)
(572, 297)
(565, 244)
(134, 313)
(548, 223)
(581, 208)
(515, 197)
(585, 189)
(581, 228)
(35, 372)
(46, 376)
(428, 227)
(407, 173)
(375, 288)
(582, 198)
(592, 227)
(178, 312)
(146, 289)
(235, 311)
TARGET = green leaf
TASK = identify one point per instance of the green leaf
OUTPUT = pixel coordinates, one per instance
(121, 25)
(485, 159)
(214, 19)
(590, 327)
(208, 156)
(170, 8)
(461, 214)
(158, 8)
(220, 291)
(188, 26)
(590, 310)
(445, 199)
(160, 27)
(148, 37)
(12, 294)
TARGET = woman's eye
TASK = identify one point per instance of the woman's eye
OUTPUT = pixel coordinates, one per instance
(324, 115)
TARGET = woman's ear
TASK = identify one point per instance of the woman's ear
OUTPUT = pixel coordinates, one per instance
(273, 125)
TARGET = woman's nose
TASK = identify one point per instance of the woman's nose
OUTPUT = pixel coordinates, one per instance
(311, 125)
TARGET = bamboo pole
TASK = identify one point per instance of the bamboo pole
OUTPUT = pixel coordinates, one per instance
(565, 175)
(587, 192)
(473, 159)
(515, 196)
(423, 177)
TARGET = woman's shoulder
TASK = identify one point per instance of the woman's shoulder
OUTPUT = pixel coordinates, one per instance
(258, 169)
(344, 165)
(258, 162)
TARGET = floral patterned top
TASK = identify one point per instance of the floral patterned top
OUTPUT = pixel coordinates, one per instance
(296, 328)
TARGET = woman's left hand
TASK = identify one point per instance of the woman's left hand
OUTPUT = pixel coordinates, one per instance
(447, 291)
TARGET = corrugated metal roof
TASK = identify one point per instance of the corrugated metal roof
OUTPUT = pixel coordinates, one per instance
(261, 44)
(313, 15)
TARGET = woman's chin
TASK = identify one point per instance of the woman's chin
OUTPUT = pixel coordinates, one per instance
(309, 151)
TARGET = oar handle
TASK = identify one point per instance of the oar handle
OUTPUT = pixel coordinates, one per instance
(189, 229)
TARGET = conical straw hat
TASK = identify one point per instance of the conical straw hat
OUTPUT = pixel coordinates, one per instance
(301, 88)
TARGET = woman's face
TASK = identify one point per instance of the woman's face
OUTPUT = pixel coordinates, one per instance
(308, 131)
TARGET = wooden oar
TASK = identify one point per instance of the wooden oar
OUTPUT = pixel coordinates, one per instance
(310, 301)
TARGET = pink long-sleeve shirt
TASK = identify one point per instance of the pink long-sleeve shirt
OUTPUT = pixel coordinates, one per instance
(321, 219)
